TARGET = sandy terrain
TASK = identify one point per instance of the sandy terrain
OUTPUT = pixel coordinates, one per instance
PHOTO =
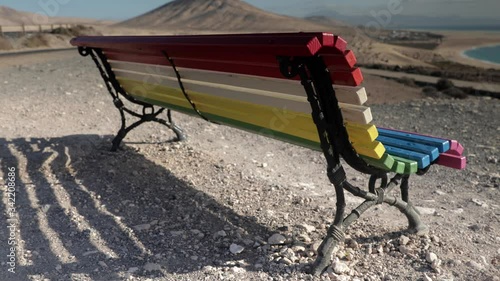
(171, 211)
(456, 42)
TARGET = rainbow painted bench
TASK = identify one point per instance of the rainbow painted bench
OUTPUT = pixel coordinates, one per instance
(302, 88)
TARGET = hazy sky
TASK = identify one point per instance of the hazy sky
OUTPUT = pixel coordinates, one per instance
(123, 9)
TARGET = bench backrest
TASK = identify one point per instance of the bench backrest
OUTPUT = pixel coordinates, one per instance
(238, 80)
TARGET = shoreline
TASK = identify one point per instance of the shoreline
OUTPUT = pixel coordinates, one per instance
(463, 54)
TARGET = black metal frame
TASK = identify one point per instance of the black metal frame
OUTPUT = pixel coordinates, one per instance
(149, 113)
(335, 143)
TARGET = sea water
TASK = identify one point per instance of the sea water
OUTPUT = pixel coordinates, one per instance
(489, 54)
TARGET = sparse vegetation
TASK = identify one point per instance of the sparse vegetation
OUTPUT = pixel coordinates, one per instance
(5, 44)
(444, 84)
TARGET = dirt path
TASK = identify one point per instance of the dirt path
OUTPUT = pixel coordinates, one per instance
(171, 211)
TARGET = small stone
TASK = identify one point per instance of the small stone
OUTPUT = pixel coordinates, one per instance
(276, 239)
(90, 253)
(152, 267)
(103, 264)
(430, 257)
(286, 261)
(221, 233)
(340, 267)
(426, 277)
(351, 243)
(403, 240)
(142, 227)
(307, 228)
(435, 239)
(177, 233)
(58, 267)
(380, 249)
(439, 192)
(436, 265)
(404, 249)
(299, 249)
(426, 211)
(236, 249)
(475, 265)
(133, 270)
(369, 249)
(258, 266)
(263, 165)
(479, 203)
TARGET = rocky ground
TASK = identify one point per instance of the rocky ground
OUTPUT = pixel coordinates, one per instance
(225, 204)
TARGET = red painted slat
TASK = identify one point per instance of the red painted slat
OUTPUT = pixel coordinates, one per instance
(345, 61)
(452, 161)
(288, 44)
(352, 77)
(222, 66)
(264, 59)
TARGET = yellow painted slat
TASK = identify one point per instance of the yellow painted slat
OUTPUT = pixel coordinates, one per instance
(361, 132)
(374, 149)
(289, 122)
(281, 120)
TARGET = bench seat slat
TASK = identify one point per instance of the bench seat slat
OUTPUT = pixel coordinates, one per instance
(455, 148)
(441, 144)
(452, 161)
(423, 160)
(353, 113)
(432, 151)
(386, 162)
(411, 166)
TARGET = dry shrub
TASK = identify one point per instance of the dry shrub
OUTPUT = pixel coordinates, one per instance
(78, 30)
(5, 44)
(35, 41)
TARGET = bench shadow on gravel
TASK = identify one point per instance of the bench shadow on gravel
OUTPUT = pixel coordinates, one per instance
(79, 206)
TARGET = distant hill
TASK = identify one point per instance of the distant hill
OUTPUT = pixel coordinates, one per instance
(9, 16)
(219, 15)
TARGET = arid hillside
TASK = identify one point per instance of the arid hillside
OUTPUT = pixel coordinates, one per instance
(219, 15)
(12, 17)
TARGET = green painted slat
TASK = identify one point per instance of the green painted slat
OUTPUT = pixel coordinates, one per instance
(411, 166)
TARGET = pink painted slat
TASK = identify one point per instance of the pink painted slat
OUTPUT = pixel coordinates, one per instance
(456, 148)
(452, 161)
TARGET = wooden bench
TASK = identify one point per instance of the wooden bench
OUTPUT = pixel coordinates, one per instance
(302, 88)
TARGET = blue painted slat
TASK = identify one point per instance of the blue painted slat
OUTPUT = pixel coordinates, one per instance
(442, 144)
(422, 160)
(432, 151)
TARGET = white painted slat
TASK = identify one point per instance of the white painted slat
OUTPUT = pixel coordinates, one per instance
(352, 113)
(352, 95)
(345, 94)
(356, 113)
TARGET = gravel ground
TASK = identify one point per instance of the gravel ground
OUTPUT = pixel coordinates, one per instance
(207, 209)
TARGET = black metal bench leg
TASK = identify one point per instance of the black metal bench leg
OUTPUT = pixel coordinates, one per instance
(335, 233)
(145, 117)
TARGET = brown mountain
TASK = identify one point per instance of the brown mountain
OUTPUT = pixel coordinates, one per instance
(219, 15)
